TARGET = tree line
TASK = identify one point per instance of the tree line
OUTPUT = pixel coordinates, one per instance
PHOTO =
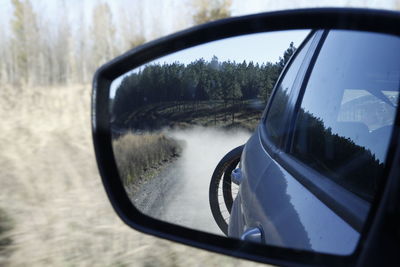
(201, 80)
(42, 49)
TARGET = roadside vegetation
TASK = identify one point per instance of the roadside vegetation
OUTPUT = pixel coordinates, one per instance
(140, 156)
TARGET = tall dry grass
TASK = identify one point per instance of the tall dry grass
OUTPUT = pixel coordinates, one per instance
(51, 190)
(137, 154)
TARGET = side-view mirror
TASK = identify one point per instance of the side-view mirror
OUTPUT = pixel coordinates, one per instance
(270, 137)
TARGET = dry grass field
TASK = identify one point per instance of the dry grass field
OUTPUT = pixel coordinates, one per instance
(50, 188)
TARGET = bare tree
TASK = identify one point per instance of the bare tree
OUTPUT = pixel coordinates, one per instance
(208, 10)
(82, 50)
(37, 51)
(3, 56)
(64, 60)
(131, 25)
(103, 35)
(25, 41)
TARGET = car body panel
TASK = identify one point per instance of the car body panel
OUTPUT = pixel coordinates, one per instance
(288, 213)
(295, 203)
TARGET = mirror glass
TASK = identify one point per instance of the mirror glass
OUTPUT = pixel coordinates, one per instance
(179, 125)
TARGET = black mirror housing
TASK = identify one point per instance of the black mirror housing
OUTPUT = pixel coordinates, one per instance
(331, 18)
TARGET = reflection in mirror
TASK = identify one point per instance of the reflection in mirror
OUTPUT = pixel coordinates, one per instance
(192, 149)
(175, 118)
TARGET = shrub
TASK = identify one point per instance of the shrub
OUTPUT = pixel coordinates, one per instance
(137, 154)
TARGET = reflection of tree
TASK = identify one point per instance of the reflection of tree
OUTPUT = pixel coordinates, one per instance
(274, 122)
(214, 81)
(350, 165)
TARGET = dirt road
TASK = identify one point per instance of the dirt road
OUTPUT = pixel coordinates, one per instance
(180, 193)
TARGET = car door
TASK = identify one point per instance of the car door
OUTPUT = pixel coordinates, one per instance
(312, 168)
(257, 165)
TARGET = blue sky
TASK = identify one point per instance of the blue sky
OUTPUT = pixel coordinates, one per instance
(260, 48)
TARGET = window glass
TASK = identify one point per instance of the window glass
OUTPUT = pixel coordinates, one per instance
(362, 106)
(275, 121)
(348, 109)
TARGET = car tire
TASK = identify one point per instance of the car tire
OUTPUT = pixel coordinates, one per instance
(223, 172)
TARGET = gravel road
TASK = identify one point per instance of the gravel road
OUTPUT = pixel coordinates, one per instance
(179, 194)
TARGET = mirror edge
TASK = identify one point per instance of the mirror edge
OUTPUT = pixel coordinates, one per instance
(358, 19)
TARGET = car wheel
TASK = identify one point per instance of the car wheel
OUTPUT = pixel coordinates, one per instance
(222, 191)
